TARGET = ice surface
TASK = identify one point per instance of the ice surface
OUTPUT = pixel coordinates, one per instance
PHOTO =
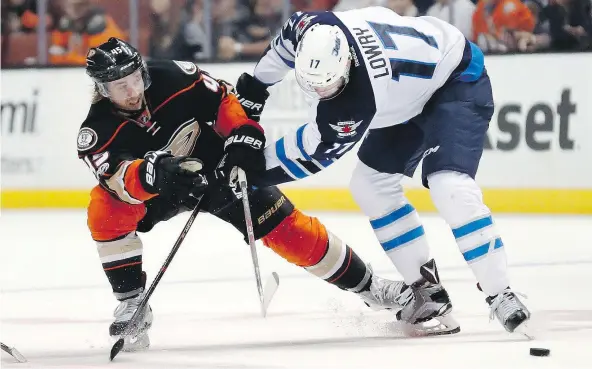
(56, 304)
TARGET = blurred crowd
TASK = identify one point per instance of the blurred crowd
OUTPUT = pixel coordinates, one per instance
(241, 29)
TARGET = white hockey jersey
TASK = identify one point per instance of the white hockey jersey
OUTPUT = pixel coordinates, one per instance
(398, 64)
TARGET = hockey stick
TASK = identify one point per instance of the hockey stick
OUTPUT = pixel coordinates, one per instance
(273, 282)
(132, 325)
(14, 353)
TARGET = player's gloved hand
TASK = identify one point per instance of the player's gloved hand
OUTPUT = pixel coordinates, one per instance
(243, 149)
(172, 176)
(252, 95)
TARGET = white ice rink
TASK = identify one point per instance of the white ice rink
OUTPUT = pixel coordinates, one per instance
(56, 303)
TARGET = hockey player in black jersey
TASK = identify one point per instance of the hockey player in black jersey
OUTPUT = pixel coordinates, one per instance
(155, 137)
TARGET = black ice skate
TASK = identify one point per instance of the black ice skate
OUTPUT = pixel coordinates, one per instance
(429, 309)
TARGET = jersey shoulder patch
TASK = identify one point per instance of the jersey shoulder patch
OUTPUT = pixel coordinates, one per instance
(187, 67)
(87, 139)
(347, 116)
(98, 129)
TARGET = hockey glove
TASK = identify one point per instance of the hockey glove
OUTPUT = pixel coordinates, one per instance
(252, 95)
(172, 176)
(243, 149)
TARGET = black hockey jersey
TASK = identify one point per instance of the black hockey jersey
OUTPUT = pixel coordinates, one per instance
(188, 113)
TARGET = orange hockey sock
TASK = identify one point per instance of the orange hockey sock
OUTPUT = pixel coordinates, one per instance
(304, 241)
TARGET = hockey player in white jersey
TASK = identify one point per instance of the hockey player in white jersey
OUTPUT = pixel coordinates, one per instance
(419, 90)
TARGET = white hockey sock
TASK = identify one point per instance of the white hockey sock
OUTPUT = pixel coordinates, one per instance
(395, 222)
(402, 237)
(460, 202)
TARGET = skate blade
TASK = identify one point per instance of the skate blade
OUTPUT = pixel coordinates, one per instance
(134, 343)
(378, 307)
(438, 326)
(374, 306)
(525, 330)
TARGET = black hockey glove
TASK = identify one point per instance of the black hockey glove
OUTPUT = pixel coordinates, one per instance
(172, 176)
(243, 149)
(252, 95)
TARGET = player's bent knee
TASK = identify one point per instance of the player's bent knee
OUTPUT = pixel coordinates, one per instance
(300, 239)
(456, 196)
(374, 191)
(304, 241)
(109, 218)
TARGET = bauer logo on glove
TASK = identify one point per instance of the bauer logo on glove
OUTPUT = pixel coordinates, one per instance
(249, 104)
(247, 140)
(252, 95)
(166, 174)
(244, 149)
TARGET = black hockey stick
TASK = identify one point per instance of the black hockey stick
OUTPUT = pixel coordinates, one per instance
(14, 353)
(132, 325)
(273, 281)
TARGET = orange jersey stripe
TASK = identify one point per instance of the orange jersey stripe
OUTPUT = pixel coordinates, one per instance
(157, 108)
(111, 139)
(177, 94)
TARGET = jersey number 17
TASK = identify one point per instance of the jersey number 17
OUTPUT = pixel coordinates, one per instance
(405, 67)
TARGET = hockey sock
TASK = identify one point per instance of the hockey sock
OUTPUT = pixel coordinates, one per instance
(460, 202)
(402, 237)
(395, 222)
(304, 241)
(122, 263)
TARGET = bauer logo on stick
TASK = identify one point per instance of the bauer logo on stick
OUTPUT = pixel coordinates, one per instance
(87, 138)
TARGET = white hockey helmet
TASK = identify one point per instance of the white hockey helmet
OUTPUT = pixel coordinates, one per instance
(323, 61)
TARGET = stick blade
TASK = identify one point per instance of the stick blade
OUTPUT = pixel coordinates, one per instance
(271, 286)
(116, 348)
(18, 356)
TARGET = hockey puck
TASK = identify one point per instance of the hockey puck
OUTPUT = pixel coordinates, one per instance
(540, 352)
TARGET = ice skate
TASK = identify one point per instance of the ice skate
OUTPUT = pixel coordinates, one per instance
(123, 313)
(386, 294)
(430, 307)
(510, 311)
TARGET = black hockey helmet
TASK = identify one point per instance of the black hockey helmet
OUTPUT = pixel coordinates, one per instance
(113, 60)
